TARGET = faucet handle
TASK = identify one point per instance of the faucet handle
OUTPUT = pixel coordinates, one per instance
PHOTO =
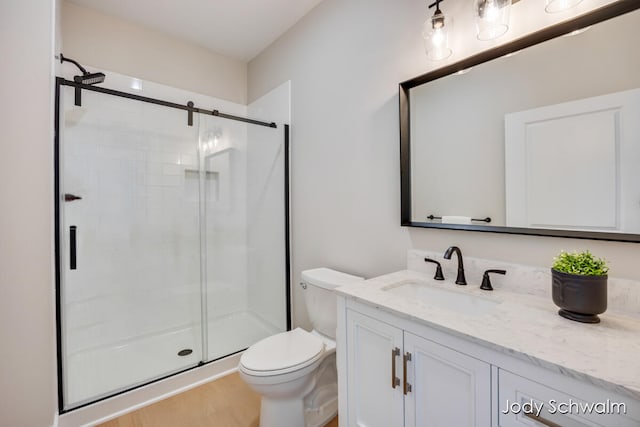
(438, 275)
(486, 281)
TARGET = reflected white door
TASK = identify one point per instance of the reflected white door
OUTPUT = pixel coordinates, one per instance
(574, 165)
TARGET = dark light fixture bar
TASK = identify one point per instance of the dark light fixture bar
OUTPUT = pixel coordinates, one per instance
(190, 108)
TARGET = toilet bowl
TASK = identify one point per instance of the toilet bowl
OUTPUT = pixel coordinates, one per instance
(295, 371)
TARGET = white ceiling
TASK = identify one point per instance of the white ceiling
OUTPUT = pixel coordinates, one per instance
(238, 29)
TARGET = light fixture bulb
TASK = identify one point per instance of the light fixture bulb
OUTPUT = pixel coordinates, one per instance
(437, 20)
(438, 38)
(491, 13)
(492, 18)
(555, 6)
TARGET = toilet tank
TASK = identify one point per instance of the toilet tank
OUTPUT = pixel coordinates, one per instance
(318, 285)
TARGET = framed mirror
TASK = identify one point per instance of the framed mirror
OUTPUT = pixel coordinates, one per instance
(539, 136)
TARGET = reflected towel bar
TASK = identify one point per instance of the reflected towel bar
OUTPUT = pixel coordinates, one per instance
(487, 219)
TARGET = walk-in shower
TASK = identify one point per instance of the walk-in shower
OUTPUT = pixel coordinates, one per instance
(172, 237)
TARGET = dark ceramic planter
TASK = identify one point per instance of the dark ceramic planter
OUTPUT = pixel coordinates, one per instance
(580, 298)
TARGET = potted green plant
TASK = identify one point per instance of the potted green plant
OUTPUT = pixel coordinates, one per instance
(579, 285)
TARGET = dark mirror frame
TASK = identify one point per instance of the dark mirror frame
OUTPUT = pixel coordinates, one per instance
(609, 11)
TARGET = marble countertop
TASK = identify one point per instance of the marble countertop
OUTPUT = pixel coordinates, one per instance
(525, 326)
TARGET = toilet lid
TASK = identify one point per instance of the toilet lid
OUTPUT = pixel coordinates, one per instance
(292, 349)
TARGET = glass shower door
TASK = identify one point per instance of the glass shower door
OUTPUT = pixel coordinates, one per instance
(244, 251)
(129, 244)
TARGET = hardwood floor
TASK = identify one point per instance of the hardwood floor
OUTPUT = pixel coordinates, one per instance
(227, 402)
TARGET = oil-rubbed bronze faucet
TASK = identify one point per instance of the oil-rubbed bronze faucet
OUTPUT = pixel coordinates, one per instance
(438, 275)
(460, 280)
(486, 281)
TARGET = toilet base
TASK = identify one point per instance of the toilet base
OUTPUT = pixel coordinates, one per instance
(291, 413)
(279, 412)
(320, 416)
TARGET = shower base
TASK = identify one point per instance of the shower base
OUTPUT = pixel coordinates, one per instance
(104, 371)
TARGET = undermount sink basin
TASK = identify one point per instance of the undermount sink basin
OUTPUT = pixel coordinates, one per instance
(443, 298)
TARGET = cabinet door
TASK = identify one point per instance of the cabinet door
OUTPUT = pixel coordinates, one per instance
(375, 398)
(448, 388)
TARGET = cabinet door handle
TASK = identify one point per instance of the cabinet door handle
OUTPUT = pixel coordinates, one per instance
(542, 420)
(395, 381)
(405, 359)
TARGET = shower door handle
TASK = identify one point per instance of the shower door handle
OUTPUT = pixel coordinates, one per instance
(71, 197)
(72, 247)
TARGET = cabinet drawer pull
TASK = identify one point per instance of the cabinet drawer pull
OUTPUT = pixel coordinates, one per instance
(405, 359)
(542, 420)
(395, 381)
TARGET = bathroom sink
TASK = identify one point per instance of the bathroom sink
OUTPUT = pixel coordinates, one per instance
(438, 297)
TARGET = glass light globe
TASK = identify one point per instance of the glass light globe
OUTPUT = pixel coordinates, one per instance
(436, 37)
(492, 18)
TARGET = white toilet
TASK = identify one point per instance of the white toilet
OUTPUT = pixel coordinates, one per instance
(295, 371)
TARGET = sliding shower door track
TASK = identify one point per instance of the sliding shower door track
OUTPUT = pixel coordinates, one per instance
(189, 107)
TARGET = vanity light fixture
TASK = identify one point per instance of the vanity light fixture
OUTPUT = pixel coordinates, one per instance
(492, 18)
(435, 34)
(554, 6)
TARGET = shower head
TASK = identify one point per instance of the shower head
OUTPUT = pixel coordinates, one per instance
(86, 78)
(90, 78)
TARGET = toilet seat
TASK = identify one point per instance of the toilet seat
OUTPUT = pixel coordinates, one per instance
(282, 353)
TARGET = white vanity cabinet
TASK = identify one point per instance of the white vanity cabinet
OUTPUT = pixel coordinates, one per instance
(562, 402)
(397, 378)
(373, 365)
(395, 372)
(447, 388)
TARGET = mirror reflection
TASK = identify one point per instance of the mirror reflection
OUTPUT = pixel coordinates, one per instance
(548, 137)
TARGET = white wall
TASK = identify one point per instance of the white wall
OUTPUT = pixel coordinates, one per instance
(27, 322)
(345, 60)
(111, 43)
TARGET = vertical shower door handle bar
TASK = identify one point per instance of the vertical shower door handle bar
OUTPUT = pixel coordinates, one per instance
(395, 381)
(72, 247)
